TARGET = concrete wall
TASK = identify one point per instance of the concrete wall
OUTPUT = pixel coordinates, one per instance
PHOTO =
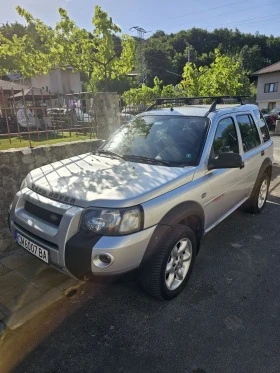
(264, 98)
(15, 165)
(71, 82)
(61, 81)
(41, 81)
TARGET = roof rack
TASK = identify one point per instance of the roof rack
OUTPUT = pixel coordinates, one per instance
(188, 101)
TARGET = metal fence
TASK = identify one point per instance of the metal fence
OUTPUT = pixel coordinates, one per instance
(34, 114)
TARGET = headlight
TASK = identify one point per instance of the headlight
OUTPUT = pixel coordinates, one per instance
(23, 184)
(111, 222)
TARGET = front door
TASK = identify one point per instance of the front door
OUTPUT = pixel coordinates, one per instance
(225, 187)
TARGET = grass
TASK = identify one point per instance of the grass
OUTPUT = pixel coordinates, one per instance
(53, 138)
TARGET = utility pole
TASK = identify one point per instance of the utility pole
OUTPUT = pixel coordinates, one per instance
(140, 58)
(189, 52)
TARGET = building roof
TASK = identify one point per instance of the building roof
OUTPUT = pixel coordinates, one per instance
(35, 93)
(9, 86)
(269, 69)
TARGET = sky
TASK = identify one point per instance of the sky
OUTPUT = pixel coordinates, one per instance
(252, 16)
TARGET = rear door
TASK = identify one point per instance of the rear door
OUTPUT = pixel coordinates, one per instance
(252, 148)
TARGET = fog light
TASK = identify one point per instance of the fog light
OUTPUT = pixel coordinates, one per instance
(103, 260)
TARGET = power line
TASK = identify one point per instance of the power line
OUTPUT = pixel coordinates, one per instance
(198, 12)
(241, 10)
(218, 7)
(249, 20)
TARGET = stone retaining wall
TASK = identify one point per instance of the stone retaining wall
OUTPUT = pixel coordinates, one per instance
(107, 113)
(15, 165)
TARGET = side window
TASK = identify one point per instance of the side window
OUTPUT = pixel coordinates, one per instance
(225, 138)
(249, 133)
(262, 125)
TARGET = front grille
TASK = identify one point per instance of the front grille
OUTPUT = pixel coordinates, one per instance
(38, 240)
(41, 213)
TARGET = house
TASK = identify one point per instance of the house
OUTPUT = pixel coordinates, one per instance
(268, 88)
(56, 81)
(8, 89)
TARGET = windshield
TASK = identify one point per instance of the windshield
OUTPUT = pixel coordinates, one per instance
(173, 140)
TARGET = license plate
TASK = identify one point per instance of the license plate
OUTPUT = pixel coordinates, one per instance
(33, 248)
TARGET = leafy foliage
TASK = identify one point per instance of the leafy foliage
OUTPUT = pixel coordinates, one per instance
(225, 76)
(93, 54)
(166, 55)
(104, 59)
(193, 79)
(143, 95)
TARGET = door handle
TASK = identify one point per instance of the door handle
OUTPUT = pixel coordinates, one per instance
(262, 152)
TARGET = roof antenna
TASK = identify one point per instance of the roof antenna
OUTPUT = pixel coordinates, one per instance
(213, 106)
(239, 99)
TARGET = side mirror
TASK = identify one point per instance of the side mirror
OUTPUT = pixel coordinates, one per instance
(226, 160)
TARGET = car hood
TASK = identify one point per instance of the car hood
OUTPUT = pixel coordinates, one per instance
(91, 180)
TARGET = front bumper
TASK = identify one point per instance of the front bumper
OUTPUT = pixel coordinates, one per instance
(68, 250)
(127, 251)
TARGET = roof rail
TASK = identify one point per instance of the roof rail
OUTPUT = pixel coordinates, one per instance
(219, 100)
(174, 100)
(188, 100)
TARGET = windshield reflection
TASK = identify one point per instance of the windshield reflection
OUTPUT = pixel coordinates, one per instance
(176, 140)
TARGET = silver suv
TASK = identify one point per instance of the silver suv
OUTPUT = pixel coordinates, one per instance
(147, 196)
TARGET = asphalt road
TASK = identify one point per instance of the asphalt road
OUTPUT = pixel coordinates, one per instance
(226, 320)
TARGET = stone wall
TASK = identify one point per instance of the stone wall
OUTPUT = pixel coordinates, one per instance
(15, 165)
(107, 113)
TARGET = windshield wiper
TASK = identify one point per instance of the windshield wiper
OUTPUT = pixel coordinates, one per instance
(108, 152)
(147, 160)
(139, 158)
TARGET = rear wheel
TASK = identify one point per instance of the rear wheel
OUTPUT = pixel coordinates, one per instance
(257, 201)
(167, 273)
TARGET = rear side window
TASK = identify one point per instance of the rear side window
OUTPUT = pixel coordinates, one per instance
(249, 133)
(262, 125)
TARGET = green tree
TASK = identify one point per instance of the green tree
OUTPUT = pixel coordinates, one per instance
(225, 76)
(10, 63)
(158, 61)
(143, 95)
(250, 58)
(180, 59)
(192, 83)
(93, 54)
(170, 91)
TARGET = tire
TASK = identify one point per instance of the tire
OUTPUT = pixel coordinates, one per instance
(257, 201)
(166, 275)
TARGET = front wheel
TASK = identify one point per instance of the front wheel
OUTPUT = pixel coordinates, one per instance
(167, 273)
(257, 201)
